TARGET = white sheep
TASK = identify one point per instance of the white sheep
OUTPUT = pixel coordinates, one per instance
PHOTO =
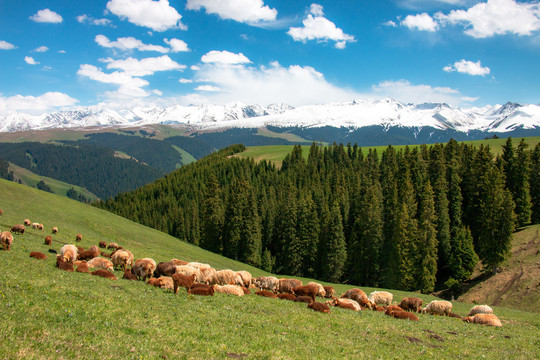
(480, 309)
(229, 289)
(199, 266)
(438, 307)
(381, 297)
(188, 271)
(243, 278)
(100, 263)
(269, 283)
(321, 292)
(224, 277)
(69, 253)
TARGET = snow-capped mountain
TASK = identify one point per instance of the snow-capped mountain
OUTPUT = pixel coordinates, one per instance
(355, 114)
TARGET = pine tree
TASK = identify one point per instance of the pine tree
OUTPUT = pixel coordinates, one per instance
(427, 235)
(521, 190)
(334, 247)
(250, 249)
(463, 259)
(213, 216)
(535, 184)
(232, 230)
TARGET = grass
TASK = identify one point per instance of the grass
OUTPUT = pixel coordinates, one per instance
(48, 313)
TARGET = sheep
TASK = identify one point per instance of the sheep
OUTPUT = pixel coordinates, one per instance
(355, 294)
(438, 307)
(199, 285)
(19, 228)
(245, 290)
(202, 291)
(455, 316)
(243, 278)
(104, 254)
(198, 265)
(102, 244)
(392, 308)
(480, 309)
(37, 226)
(321, 292)
(27, 222)
(153, 281)
(366, 304)
(229, 289)
(40, 227)
(402, 315)
(144, 268)
(104, 273)
(6, 240)
(345, 304)
(287, 285)
(306, 290)
(55, 230)
(101, 263)
(269, 283)
(128, 275)
(48, 240)
(78, 237)
(87, 255)
(163, 268)
(166, 283)
(38, 255)
(1, 212)
(381, 297)
(62, 264)
(286, 296)
(183, 280)
(80, 248)
(83, 267)
(330, 292)
(122, 259)
(69, 253)
(484, 319)
(320, 307)
(188, 270)
(306, 299)
(179, 262)
(224, 277)
(112, 246)
(411, 304)
(266, 293)
(206, 275)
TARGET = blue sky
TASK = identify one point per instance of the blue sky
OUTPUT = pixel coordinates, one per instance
(57, 54)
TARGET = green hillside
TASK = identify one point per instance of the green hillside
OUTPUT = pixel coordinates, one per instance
(48, 313)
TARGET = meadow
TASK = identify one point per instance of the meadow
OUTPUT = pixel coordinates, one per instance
(49, 313)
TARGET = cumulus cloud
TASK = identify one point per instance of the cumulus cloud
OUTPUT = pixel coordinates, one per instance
(30, 60)
(317, 27)
(468, 67)
(177, 45)
(41, 49)
(422, 22)
(144, 67)
(129, 86)
(185, 81)
(224, 57)
(4, 45)
(128, 44)
(208, 88)
(85, 19)
(422, 4)
(46, 16)
(404, 91)
(35, 105)
(496, 17)
(156, 15)
(245, 11)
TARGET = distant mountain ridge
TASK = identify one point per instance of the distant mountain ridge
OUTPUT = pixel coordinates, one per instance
(386, 113)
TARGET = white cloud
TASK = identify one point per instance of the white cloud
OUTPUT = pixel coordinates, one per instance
(317, 27)
(4, 45)
(422, 4)
(85, 19)
(185, 81)
(422, 22)
(35, 105)
(194, 68)
(156, 15)
(30, 60)
(246, 11)
(390, 23)
(46, 16)
(177, 45)
(41, 49)
(127, 44)
(468, 67)
(61, 51)
(207, 88)
(144, 67)
(224, 57)
(496, 17)
(406, 92)
(129, 86)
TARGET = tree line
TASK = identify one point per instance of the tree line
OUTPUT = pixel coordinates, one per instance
(411, 219)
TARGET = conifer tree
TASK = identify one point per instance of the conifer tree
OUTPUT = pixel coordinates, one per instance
(463, 259)
(521, 188)
(213, 214)
(535, 184)
(334, 251)
(250, 249)
(232, 230)
(427, 244)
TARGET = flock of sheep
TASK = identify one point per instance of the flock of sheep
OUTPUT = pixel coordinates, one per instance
(202, 279)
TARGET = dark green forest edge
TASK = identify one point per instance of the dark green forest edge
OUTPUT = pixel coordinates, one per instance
(413, 219)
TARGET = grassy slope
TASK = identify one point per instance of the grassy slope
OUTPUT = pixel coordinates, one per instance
(48, 313)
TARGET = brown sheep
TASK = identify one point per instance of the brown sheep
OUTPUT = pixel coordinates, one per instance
(182, 280)
(355, 294)
(306, 290)
(62, 264)
(27, 222)
(287, 285)
(345, 304)
(48, 240)
(320, 307)
(393, 308)
(163, 282)
(455, 316)
(202, 291)
(306, 299)
(266, 293)
(286, 296)
(80, 248)
(321, 292)
(83, 267)
(104, 273)
(179, 262)
(112, 246)
(402, 315)
(128, 275)
(104, 254)
(101, 263)
(55, 230)
(229, 289)
(330, 292)
(411, 304)
(1, 212)
(19, 228)
(199, 285)
(102, 244)
(86, 255)
(245, 290)
(79, 238)
(153, 281)
(6, 240)
(366, 304)
(122, 259)
(38, 255)
(484, 319)
(69, 253)
(164, 269)
(144, 268)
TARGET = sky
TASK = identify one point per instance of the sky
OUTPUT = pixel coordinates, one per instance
(60, 55)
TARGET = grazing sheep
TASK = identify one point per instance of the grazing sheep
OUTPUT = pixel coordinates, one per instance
(80, 248)
(321, 292)
(153, 281)
(104, 254)
(83, 267)
(198, 265)
(381, 297)
(224, 277)
(402, 315)
(101, 263)
(78, 237)
(87, 255)
(379, 308)
(102, 244)
(38, 255)
(183, 280)
(122, 259)
(484, 319)
(286, 296)
(366, 304)
(128, 275)
(455, 316)
(48, 240)
(306, 299)
(287, 285)
(144, 268)
(199, 285)
(245, 290)
(6, 240)
(266, 293)
(188, 270)
(207, 275)
(163, 268)
(104, 273)
(393, 308)
(202, 291)
(229, 289)
(355, 294)
(320, 307)
(55, 230)
(269, 283)
(330, 292)
(243, 278)
(345, 304)
(113, 246)
(52, 251)
(35, 225)
(179, 262)
(166, 282)
(411, 304)
(19, 228)
(306, 290)
(480, 309)
(438, 307)
(69, 253)
(62, 264)
(40, 227)
(1, 212)
(27, 222)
